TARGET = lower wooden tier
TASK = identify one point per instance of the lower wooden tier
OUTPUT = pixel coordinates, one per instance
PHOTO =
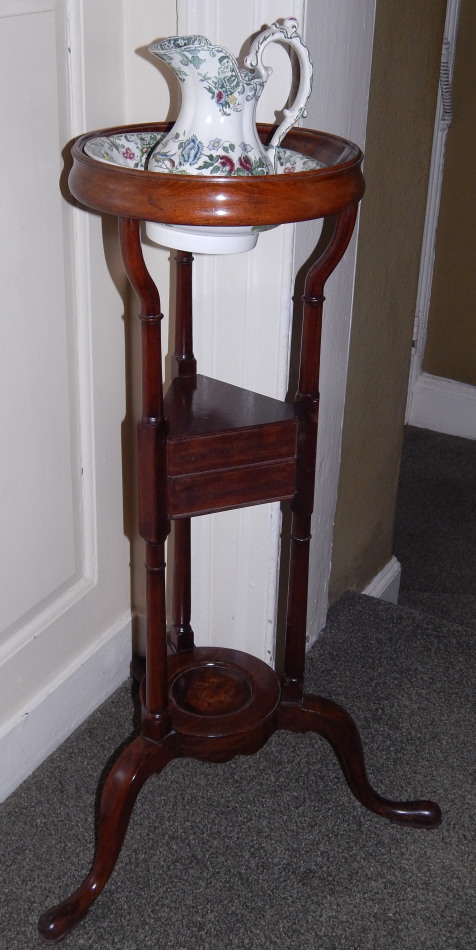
(221, 702)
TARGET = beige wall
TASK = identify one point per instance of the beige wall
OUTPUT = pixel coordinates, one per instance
(403, 95)
(451, 341)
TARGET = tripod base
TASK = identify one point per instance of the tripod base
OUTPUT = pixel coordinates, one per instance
(206, 446)
(222, 703)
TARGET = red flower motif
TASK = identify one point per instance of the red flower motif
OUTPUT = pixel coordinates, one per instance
(289, 170)
(220, 96)
(245, 162)
(226, 162)
(128, 153)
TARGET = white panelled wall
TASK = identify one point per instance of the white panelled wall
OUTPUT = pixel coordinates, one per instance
(340, 37)
(65, 607)
(243, 309)
(243, 325)
(65, 615)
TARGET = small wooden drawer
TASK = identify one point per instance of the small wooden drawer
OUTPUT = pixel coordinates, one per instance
(206, 492)
(226, 447)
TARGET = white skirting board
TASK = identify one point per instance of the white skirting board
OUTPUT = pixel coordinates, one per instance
(64, 706)
(386, 584)
(83, 687)
(443, 405)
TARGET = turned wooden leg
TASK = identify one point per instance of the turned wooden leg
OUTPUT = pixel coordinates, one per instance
(331, 721)
(306, 409)
(154, 524)
(181, 635)
(294, 658)
(133, 767)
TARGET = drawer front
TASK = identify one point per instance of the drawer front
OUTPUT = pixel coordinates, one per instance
(228, 449)
(207, 492)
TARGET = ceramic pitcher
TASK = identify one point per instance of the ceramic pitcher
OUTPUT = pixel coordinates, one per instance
(215, 132)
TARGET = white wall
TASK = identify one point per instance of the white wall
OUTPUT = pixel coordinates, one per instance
(340, 37)
(65, 641)
(65, 604)
(243, 313)
(236, 554)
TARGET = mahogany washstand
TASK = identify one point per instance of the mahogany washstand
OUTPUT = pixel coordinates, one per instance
(204, 447)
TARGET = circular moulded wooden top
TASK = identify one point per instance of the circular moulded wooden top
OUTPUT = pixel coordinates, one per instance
(222, 201)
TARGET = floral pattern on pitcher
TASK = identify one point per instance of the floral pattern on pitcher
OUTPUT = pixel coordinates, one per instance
(227, 87)
(230, 84)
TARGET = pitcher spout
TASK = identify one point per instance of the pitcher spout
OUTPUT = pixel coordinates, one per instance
(214, 68)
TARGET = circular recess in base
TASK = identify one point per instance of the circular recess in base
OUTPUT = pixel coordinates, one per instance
(211, 690)
(222, 702)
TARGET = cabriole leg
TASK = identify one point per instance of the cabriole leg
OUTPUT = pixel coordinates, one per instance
(133, 767)
(331, 721)
(313, 713)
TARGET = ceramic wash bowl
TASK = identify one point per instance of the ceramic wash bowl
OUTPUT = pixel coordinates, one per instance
(141, 151)
(319, 174)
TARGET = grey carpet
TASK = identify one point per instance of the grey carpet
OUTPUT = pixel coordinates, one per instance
(435, 531)
(273, 851)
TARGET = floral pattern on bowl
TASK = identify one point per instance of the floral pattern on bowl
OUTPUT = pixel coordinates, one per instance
(219, 157)
(139, 150)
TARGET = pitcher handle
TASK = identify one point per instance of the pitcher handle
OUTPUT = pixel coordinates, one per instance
(286, 32)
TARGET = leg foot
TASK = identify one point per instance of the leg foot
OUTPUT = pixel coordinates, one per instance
(134, 766)
(331, 721)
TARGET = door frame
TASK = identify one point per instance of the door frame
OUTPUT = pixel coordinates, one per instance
(433, 402)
